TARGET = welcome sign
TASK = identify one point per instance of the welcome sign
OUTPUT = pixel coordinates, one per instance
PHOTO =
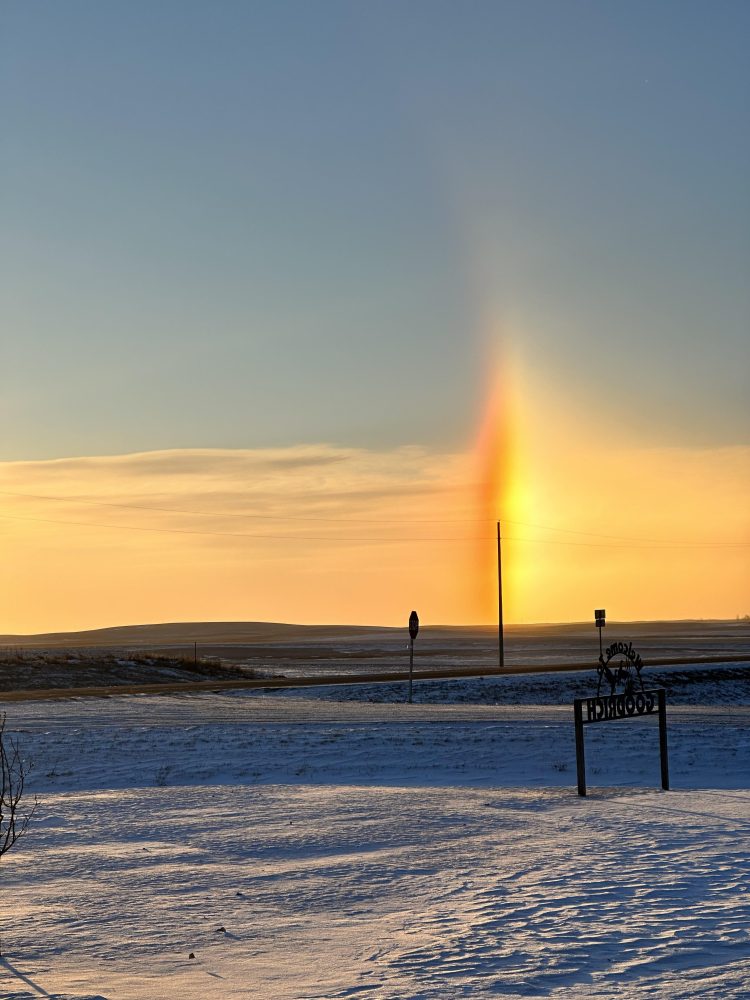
(620, 665)
(619, 706)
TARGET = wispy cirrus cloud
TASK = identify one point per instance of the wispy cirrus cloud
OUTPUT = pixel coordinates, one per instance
(308, 533)
(242, 480)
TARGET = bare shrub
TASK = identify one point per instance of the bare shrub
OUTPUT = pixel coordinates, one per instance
(13, 819)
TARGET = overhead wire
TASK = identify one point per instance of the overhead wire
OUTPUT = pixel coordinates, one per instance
(661, 543)
(354, 538)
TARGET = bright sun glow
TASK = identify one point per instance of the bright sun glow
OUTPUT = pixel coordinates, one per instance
(502, 491)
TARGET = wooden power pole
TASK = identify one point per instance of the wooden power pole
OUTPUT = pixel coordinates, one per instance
(500, 645)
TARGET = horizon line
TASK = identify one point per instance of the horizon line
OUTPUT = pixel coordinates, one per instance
(365, 626)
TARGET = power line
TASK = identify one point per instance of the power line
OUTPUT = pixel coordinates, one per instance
(267, 517)
(347, 520)
(369, 538)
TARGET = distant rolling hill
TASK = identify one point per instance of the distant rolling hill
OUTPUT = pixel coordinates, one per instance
(213, 633)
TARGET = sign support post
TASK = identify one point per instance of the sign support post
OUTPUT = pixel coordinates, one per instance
(411, 667)
(608, 708)
(600, 620)
(663, 739)
(413, 630)
(580, 747)
(620, 668)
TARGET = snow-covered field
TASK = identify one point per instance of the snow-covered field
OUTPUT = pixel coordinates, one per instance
(305, 847)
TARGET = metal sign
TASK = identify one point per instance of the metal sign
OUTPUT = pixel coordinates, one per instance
(413, 625)
(620, 666)
(619, 706)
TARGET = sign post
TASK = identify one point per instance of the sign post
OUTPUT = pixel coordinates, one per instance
(413, 630)
(620, 668)
(580, 747)
(600, 622)
(663, 739)
(587, 711)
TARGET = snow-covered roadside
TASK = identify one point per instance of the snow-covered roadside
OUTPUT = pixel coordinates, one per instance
(129, 742)
(715, 684)
(415, 859)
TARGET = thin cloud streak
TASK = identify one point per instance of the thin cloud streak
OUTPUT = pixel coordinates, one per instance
(311, 534)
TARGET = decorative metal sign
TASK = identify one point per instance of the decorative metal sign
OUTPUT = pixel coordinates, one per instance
(620, 706)
(619, 668)
(619, 664)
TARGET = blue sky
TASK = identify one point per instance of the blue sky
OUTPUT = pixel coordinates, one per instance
(257, 225)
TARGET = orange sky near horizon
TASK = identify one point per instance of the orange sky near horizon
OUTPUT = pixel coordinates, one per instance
(351, 535)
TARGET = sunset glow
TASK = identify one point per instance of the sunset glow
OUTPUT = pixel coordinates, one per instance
(350, 535)
(501, 493)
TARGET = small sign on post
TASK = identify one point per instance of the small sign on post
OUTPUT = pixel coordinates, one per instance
(413, 631)
(600, 622)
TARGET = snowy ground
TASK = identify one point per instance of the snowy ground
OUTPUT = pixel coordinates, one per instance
(718, 684)
(300, 847)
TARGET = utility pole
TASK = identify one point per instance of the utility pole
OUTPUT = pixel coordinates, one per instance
(500, 645)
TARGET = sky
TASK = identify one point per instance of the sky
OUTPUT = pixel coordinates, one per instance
(361, 279)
